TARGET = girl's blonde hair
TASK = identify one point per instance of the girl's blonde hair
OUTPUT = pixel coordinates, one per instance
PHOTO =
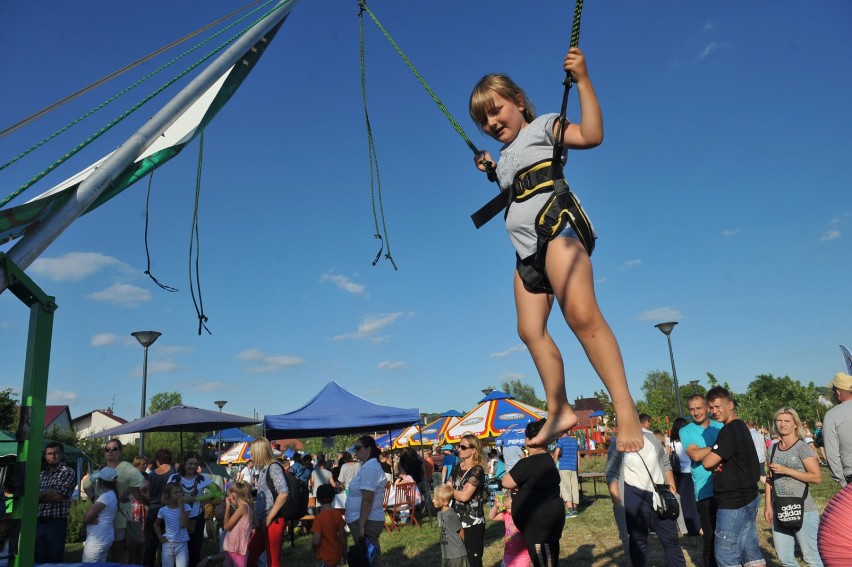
(796, 420)
(261, 451)
(478, 457)
(481, 101)
(242, 489)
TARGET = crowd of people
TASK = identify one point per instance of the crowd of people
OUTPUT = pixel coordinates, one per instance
(728, 475)
(719, 466)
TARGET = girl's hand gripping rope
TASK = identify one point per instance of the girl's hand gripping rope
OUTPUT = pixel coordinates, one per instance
(484, 162)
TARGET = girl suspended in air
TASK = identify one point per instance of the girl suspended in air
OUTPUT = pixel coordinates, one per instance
(552, 251)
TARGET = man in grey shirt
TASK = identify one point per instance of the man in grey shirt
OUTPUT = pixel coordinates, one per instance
(837, 430)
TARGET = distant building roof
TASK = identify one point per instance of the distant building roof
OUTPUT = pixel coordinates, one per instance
(53, 416)
(592, 404)
(107, 412)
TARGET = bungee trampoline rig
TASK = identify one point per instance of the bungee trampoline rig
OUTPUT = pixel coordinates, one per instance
(38, 222)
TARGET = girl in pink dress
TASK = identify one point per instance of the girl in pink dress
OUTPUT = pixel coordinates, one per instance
(239, 518)
(514, 547)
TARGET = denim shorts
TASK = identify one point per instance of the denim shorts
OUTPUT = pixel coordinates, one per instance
(567, 232)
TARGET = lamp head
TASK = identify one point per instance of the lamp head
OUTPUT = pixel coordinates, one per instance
(221, 403)
(666, 328)
(146, 338)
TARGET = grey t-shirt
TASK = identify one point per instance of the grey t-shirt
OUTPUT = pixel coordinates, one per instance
(533, 144)
(452, 545)
(792, 458)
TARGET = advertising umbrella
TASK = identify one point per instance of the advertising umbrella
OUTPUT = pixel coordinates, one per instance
(386, 442)
(179, 419)
(512, 436)
(433, 433)
(495, 413)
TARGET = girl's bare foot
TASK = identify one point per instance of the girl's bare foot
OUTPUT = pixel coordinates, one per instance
(629, 438)
(558, 422)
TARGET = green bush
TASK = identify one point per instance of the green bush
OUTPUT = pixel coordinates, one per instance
(75, 520)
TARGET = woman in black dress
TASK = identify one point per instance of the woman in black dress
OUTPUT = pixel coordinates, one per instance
(537, 508)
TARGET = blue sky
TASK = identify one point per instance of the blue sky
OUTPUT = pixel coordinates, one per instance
(720, 196)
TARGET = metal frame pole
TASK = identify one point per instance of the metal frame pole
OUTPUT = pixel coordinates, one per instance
(30, 434)
(36, 241)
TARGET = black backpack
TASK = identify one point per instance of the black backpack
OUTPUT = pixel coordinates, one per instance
(296, 504)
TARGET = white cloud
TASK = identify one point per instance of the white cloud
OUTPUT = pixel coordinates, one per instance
(207, 386)
(166, 350)
(661, 314)
(728, 232)
(830, 235)
(61, 398)
(503, 354)
(5, 325)
(156, 367)
(72, 267)
(392, 365)
(371, 326)
(630, 264)
(509, 376)
(104, 339)
(710, 49)
(841, 218)
(709, 26)
(344, 283)
(125, 295)
(268, 363)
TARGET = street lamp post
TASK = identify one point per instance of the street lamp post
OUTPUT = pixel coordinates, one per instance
(666, 329)
(221, 404)
(146, 339)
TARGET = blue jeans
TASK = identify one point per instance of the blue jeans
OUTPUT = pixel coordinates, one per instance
(50, 540)
(736, 536)
(785, 542)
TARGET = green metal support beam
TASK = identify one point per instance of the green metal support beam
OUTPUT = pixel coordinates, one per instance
(30, 434)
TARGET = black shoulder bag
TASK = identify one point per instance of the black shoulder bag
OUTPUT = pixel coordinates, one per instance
(787, 511)
(668, 508)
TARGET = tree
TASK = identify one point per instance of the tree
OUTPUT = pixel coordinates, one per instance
(523, 393)
(766, 394)
(9, 410)
(660, 401)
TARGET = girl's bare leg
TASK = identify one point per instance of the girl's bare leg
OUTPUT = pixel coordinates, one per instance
(533, 310)
(569, 270)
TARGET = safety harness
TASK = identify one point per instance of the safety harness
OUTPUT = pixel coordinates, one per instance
(562, 208)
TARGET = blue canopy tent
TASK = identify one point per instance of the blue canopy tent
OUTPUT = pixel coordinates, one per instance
(232, 435)
(335, 410)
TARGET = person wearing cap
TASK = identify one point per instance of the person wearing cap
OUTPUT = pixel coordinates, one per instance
(98, 519)
(56, 483)
(837, 430)
(448, 459)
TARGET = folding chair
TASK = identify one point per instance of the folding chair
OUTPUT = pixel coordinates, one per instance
(405, 505)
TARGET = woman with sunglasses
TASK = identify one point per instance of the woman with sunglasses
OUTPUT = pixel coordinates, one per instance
(467, 480)
(364, 513)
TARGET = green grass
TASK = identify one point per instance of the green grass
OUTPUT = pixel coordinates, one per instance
(589, 539)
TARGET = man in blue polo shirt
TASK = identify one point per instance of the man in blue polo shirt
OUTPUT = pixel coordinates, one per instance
(695, 436)
(566, 461)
